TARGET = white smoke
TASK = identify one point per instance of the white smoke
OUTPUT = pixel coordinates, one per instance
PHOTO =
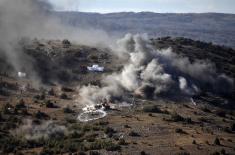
(47, 129)
(34, 19)
(150, 73)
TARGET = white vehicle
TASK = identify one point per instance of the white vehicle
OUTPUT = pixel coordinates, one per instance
(96, 68)
(21, 74)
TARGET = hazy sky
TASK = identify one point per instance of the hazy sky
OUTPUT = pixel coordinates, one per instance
(178, 6)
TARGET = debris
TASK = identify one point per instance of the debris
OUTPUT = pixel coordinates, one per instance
(91, 113)
(193, 102)
(96, 68)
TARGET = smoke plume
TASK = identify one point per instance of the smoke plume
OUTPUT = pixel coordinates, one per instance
(152, 73)
(45, 130)
(31, 19)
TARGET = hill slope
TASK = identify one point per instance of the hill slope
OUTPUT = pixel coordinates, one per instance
(209, 27)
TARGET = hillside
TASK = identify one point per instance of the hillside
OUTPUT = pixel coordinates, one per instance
(46, 116)
(209, 27)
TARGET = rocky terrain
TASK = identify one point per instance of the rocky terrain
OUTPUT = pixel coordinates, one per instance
(42, 117)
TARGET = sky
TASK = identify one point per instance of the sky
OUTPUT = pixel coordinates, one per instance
(161, 6)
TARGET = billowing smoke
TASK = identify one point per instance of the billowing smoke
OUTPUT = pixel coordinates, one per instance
(45, 130)
(29, 19)
(153, 73)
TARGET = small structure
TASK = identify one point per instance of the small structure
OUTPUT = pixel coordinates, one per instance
(66, 43)
(95, 68)
(21, 74)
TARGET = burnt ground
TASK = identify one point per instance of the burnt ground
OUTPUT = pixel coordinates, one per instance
(149, 127)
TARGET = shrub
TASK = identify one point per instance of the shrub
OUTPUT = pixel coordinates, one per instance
(64, 75)
(94, 153)
(1, 117)
(102, 123)
(233, 127)
(188, 120)
(205, 109)
(24, 112)
(112, 147)
(100, 144)
(152, 109)
(7, 108)
(178, 130)
(51, 92)
(96, 128)
(49, 104)
(20, 105)
(134, 134)
(221, 113)
(143, 153)
(223, 152)
(86, 128)
(81, 153)
(91, 137)
(67, 110)
(66, 89)
(183, 153)
(215, 153)
(93, 57)
(176, 117)
(64, 96)
(40, 97)
(122, 142)
(217, 141)
(126, 126)
(41, 115)
(76, 135)
(66, 43)
(109, 131)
